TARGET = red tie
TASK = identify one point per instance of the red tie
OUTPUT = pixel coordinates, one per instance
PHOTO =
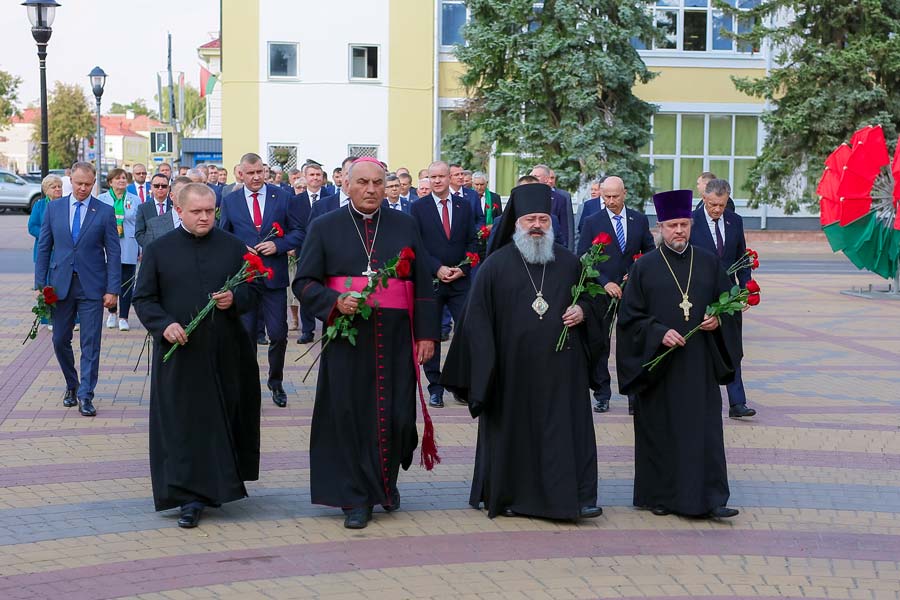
(141, 192)
(162, 209)
(445, 218)
(257, 214)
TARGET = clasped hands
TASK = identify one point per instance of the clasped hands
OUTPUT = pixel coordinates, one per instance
(449, 274)
(673, 338)
(266, 248)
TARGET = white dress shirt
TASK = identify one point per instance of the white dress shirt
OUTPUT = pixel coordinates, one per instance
(440, 207)
(397, 206)
(344, 198)
(84, 209)
(175, 218)
(612, 220)
(317, 193)
(261, 197)
(712, 227)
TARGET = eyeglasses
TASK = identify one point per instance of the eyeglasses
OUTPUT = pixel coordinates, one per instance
(160, 186)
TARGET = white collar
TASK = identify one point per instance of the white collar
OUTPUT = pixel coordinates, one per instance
(613, 215)
(362, 214)
(248, 194)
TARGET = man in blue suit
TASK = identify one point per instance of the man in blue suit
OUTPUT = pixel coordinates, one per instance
(407, 192)
(447, 227)
(335, 201)
(312, 198)
(630, 233)
(393, 200)
(570, 213)
(79, 255)
(721, 231)
(590, 206)
(249, 214)
(140, 187)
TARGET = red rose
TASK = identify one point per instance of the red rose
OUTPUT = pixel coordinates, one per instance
(407, 253)
(473, 258)
(753, 286)
(755, 264)
(637, 256)
(602, 238)
(484, 232)
(279, 232)
(248, 256)
(403, 268)
(496, 207)
(752, 253)
(753, 299)
(270, 272)
(50, 296)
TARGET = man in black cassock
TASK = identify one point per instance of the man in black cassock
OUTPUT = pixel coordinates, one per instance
(204, 401)
(364, 420)
(679, 451)
(536, 452)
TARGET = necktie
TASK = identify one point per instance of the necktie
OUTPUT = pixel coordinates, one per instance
(620, 232)
(445, 218)
(257, 213)
(141, 192)
(76, 222)
(315, 197)
(720, 243)
(161, 208)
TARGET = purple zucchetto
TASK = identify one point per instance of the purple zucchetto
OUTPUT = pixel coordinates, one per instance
(676, 204)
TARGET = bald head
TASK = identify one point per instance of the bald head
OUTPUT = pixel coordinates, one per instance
(365, 180)
(613, 191)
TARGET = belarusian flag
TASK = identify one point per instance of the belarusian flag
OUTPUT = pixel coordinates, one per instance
(207, 82)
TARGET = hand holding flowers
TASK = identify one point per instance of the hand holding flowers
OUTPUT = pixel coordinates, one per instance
(586, 283)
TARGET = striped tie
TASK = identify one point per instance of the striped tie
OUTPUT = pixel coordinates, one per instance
(620, 232)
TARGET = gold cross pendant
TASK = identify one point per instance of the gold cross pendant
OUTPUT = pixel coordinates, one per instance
(686, 307)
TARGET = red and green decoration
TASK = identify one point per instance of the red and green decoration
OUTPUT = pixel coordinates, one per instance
(859, 196)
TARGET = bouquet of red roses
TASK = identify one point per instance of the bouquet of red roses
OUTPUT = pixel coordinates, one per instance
(252, 269)
(586, 283)
(400, 267)
(42, 309)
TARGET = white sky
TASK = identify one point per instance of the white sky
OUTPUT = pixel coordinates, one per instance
(126, 38)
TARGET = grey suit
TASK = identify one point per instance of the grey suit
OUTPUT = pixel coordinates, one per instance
(157, 227)
(145, 213)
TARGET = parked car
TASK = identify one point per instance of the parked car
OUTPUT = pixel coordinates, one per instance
(16, 192)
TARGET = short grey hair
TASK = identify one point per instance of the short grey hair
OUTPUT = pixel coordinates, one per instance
(718, 187)
(296, 171)
(193, 173)
(479, 175)
(48, 181)
(390, 178)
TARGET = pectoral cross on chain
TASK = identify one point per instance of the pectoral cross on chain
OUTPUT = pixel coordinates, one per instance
(686, 307)
(369, 273)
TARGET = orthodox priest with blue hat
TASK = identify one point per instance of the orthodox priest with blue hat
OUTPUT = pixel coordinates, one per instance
(678, 441)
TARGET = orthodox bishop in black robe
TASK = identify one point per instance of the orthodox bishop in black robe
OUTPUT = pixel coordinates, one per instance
(205, 400)
(536, 453)
(679, 448)
(364, 420)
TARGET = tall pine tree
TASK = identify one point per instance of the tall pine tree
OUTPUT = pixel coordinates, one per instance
(554, 84)
(837, 68)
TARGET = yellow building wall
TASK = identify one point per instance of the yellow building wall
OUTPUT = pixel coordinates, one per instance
(449, 86)
(240, 78)
(411, 77)
(696, 84)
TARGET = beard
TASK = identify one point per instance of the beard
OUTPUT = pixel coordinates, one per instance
(677, 246)
(535, 250)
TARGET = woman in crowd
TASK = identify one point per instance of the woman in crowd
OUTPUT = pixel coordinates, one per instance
(125, 204)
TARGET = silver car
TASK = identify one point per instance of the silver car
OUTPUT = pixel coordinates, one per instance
(15, 192)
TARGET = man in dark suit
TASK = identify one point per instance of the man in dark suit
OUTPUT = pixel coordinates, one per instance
(249, 214)
(706, 177)
(590, 206)
(407, 194)
(80, 256)
(486, 197)
(158, 225)
(140, 187)
(447, 227)
(570, 212)
(238, 182)
(558, 207)
(630, 232)
(721, 231)
(393, 199)
(459, 190)
(160, 204)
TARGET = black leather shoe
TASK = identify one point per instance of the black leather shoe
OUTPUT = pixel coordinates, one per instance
(190, 517)
(740, 410)
(723, 512)
(436, 401)
(357, 518)
(306, 338)
(262, 340)
(86, 408)
(279, 397)
(601, 406)
(507, 512)
(69, 400)
(460, 400)
(589, 512)
(394, 501)
(660, 511)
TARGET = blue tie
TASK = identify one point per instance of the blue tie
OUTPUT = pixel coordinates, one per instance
(76, 222)
(620, 232)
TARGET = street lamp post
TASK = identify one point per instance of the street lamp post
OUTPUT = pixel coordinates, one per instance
(98, 81)
(41, 14)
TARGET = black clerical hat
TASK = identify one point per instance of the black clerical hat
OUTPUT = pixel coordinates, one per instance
(524, 200)
(676, 204)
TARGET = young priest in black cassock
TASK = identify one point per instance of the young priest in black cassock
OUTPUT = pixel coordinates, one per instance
(364, 420)
(536, 453)
(205, 400)
(679, 450)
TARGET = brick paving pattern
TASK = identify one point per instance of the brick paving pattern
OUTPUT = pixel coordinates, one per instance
(815, 476)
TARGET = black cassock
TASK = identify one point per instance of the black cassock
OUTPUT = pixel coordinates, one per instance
(536, 451)
(205, 400)
(678, 444)
(364, 420)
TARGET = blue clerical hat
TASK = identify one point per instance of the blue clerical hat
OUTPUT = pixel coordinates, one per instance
(676, 204)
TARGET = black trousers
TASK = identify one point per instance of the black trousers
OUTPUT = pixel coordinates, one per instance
(455, 301)
(273, 312)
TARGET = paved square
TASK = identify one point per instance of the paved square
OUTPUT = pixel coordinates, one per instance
(815, 476)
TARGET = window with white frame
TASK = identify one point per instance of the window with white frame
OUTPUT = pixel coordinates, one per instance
(696, 26)
(454, 16)
(284, 60)
(283, 156)
(363, 62)
(685, 145)
(362, 150)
